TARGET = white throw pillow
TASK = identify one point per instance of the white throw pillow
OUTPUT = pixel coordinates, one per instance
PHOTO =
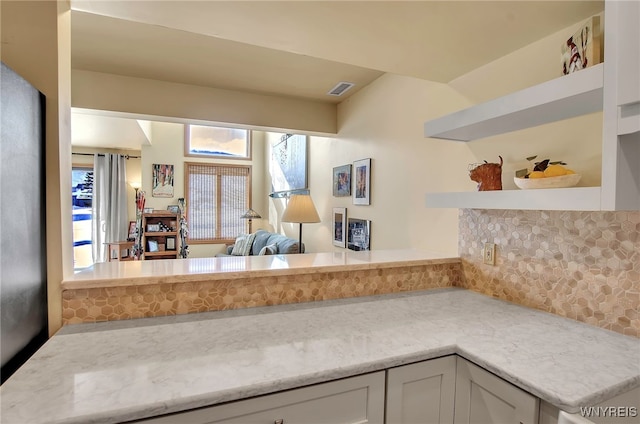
(243, 244)
(270, 249)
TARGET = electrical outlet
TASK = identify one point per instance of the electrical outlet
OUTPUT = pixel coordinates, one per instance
(489, 254)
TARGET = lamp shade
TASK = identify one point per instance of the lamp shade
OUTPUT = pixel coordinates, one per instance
(300, 209)
(251, 214)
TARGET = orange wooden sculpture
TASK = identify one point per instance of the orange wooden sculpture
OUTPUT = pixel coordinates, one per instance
(488, 176)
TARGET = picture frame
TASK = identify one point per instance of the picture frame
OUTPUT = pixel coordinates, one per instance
(153, 228)
(359, 234)
(173, 208)
(584, 48)
(288, 163)
(132, 231)
(148, 210)
(171, 243)
(342, 181)
(340, 227)
(153, 246)
(362, 182)
(162, 180)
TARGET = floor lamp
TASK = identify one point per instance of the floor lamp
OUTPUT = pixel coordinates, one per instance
(301, 210)
(250, 214)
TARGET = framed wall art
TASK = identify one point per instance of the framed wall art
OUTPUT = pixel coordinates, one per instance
(359, 234)
(162, 180)
(362, 182)
(582, 49)
(342, 181)
(288, 164)
(132, 231)
(340, 227)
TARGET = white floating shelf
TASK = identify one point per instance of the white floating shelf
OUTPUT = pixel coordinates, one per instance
(565, 199)
(566, 97)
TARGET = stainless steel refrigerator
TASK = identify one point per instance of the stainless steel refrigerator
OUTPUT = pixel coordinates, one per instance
(23, 273)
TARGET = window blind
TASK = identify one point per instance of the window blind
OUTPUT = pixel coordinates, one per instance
(217, 195)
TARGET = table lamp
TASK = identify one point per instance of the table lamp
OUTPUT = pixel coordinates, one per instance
(301, 210)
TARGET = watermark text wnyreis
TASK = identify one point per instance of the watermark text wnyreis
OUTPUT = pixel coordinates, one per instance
(609, 411)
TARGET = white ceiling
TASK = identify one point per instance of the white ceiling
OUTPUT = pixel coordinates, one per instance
(303, 48)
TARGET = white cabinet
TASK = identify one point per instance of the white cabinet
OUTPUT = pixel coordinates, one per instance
(483, 398)
(351, 400)
(621, 127)
(422, 393)
(613, 87)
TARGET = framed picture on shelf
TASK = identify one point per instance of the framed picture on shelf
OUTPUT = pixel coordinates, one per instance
(173, 208)
(148, 210)
(153, 246)
(132, 231)
(582, 49)
(153, 228)
(342, 181)
(359, 234)
(171, 243)
(339, 227)
(362, 182)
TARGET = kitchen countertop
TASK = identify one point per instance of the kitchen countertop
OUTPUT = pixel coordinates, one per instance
(124, 370)
(114, 274)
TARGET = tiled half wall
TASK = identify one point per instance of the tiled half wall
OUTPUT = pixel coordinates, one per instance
(581, 265)
(137, 301)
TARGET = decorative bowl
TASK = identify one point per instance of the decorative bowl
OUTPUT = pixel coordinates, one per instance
(547, 182)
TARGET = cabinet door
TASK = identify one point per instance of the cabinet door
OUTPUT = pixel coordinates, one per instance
(422, 393)
(483, 398)
(626, 17)
(349, 401)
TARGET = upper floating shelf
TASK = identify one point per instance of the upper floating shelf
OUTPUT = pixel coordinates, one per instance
(572, 95)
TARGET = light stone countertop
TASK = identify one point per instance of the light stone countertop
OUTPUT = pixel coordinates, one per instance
(113, 274)
(125, 370)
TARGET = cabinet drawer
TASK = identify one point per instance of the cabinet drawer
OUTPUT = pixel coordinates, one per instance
(349, 401)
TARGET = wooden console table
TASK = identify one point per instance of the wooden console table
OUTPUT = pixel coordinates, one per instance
(118, 247)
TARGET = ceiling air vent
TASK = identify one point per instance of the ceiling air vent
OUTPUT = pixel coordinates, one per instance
(340, 88)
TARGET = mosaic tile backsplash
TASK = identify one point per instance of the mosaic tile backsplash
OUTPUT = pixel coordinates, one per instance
(138, 301)
(580, 265)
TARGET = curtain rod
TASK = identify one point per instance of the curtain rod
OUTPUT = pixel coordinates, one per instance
(102, 154)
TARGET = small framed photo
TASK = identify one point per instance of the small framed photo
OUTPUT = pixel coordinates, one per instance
(148, 210)
(359, 237)
(339, 227)
(362, 182)
(173, 208)
(153, 228)
(342, 181)
(153, 246)
(171, 243)
(132, 231)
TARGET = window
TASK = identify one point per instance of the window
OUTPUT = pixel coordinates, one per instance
(219, 142)
(82, 198)
(217, 195)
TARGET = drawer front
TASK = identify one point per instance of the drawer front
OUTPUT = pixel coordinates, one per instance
(349, 401)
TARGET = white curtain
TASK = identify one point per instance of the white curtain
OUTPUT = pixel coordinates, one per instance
(110, 221)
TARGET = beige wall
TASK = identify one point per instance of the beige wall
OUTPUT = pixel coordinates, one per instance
(167, 147)
(36, 44)
(93, 90)
(384, 122)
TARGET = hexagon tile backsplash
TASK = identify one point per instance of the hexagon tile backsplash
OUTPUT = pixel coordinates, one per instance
(581, 265)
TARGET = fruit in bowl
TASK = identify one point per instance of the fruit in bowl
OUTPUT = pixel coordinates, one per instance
(562, 181)
(546, 174)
